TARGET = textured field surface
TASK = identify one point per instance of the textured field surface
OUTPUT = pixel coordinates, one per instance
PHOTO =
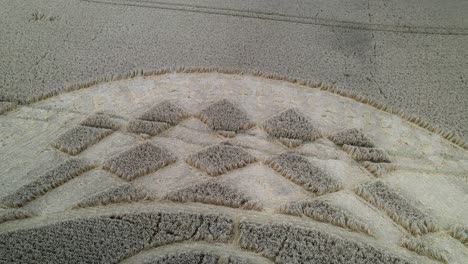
(410, 54)
(215, 168)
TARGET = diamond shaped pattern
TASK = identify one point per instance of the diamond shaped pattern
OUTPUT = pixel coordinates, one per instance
(225, 116)
(79, 138)
(302, 172)
(291, 124)
(353, 137)
(165, 112)
(219, 159)
(140, 160)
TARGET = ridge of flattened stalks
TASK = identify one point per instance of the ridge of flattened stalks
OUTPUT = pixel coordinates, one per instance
(424, 248)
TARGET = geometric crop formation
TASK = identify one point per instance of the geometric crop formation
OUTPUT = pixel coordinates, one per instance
(151, 128)
(125, 193)
(367, 154)
(225, 116)
(212, 192)
(460, 233)
(100, 121)
(79, 138)
(378, 169)
(219, 159)
(423, 247)
(302, 172)
(284, 243)
(360, 148)
(172, 187)
(10, 214)
(140, 160)
(110, 238)
(291, 126)
(353, 137)
(397, 207)
(165, 112)
(46, 182)
(324, 211)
